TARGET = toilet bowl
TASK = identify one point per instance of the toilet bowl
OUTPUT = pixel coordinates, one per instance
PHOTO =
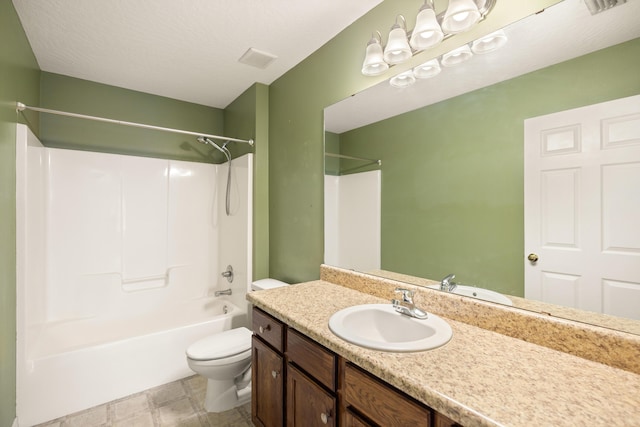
(225, 360)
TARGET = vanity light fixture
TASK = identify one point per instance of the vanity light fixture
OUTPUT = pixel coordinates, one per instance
(427, 70)
(597, 6)
(403, 80)
(397, 49)
(374, 64)
(490, 42)
(461, 15)
(457, 56)
(427, 32)
(431, 68)
(430, 30)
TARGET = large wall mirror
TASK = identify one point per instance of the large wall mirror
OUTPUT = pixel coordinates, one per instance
(445, 157)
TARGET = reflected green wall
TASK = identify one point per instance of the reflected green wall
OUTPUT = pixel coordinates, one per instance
(296, 129)
(453, 172)
(19, 81)
(331, 145)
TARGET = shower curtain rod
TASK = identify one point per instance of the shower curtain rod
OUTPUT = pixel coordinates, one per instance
(342, 156)
(21, 107)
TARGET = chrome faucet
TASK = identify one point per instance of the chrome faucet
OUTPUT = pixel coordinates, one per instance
(447, 284)
(406, 306)
(219, 293)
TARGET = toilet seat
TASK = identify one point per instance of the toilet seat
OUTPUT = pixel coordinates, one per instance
(222, 345)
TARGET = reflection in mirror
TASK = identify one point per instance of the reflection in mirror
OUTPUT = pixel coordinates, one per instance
(452, 147)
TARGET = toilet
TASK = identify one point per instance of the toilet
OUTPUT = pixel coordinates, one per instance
(224, 359)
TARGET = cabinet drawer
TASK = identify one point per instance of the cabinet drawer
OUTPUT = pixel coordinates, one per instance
(379, 402)
(268, 328)
(311, 357)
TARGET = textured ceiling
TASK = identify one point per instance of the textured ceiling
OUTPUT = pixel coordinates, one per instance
(182, 49)
(564, 31)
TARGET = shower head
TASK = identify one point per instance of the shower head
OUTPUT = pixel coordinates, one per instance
(224, 150)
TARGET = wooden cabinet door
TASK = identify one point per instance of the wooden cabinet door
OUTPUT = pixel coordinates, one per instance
(352, 420)
(308, 404)
(442, 421)
(267, 388)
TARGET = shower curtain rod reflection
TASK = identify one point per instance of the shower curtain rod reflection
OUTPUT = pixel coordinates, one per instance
(21, 107)
(342, 156)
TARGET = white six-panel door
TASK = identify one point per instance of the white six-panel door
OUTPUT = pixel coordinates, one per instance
(582, 208)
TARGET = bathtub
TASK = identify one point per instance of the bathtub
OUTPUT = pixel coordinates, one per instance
(76, 364)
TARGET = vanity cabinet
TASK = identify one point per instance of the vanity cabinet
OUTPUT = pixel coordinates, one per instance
(311, 383)
(267, 371)
(299, 383)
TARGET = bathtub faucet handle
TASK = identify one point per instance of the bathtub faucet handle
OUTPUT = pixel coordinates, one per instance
(228, 273)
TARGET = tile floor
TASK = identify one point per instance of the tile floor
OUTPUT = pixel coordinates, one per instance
(175, 404)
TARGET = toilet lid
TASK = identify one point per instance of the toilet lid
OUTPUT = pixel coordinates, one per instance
(263, 284)
(223, 344)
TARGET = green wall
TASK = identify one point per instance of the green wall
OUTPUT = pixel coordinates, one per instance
(453, 172)
(69, 94)
(19, 81)
(247, 117)
(296, 134)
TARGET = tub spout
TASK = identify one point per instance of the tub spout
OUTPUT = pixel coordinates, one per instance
(225, 292)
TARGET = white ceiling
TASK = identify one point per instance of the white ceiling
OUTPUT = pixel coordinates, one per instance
(563, 31)
(187, 50)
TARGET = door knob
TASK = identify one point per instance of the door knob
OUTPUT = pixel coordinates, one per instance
(532, 257)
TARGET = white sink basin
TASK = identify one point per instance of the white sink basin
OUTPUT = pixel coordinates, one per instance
(380, 327)
(480, 293)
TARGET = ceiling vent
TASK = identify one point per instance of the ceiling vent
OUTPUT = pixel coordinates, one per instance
(597, 6)
(257, 58)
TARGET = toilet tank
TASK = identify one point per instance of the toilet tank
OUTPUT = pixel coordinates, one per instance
(262, 284)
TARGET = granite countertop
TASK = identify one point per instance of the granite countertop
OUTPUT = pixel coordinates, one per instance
(480, 378)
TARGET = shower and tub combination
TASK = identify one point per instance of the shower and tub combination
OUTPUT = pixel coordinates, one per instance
(119, 261)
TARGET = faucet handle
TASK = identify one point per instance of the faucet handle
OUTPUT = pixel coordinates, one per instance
(407, 294)
(449, 278)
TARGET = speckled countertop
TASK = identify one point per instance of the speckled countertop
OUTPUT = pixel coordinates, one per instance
(480, 378)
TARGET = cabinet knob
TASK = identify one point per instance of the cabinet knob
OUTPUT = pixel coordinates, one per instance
(274, 374)
(264, 328)
(533, 257)
(324, 417)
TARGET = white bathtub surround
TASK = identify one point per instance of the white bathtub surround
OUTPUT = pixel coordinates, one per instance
(352, 212)
(118, 261)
